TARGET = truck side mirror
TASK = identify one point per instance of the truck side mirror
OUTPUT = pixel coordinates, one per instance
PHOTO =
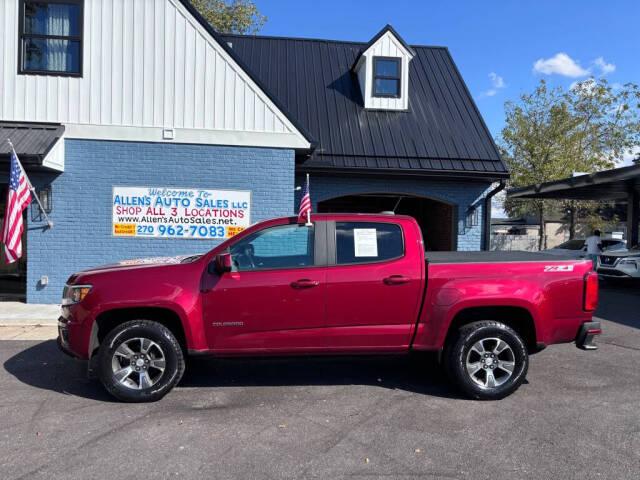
(221, 264)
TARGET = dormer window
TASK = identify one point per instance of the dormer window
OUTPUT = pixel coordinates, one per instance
(386, 76)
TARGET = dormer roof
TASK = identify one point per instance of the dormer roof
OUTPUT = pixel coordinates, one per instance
(387, 28)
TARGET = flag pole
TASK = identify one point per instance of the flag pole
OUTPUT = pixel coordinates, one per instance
(31, 188)
(309, 224)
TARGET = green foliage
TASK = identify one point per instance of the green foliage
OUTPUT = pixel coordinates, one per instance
(234, 16)
(551, 133)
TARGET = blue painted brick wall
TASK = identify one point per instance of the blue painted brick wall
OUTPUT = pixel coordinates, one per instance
(461, 193)
(82, 196)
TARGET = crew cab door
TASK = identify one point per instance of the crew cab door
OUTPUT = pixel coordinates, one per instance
(274, 297)
(374, 284)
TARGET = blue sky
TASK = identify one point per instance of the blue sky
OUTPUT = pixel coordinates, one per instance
(502, 47)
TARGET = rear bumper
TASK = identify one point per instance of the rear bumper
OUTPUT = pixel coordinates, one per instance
(587, 334)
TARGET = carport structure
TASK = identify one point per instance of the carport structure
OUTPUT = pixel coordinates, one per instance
(621, 185)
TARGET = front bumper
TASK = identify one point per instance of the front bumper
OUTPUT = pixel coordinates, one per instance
(73, 335)
(587, 334)
(613, 273)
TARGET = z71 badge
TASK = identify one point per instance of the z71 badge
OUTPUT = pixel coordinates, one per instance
(558, 268)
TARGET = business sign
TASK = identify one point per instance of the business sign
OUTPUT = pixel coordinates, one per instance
(162, 212)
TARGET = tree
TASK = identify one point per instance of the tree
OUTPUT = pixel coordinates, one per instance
(551, 133)
(234, 16)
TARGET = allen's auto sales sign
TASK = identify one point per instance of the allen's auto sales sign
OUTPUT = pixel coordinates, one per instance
(163, 212)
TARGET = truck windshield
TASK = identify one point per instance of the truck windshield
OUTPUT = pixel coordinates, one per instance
(572, 245)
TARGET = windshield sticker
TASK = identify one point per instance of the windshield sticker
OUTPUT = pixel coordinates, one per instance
(365, 242)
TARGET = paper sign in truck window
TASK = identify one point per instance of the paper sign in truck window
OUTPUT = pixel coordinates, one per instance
(365, 242)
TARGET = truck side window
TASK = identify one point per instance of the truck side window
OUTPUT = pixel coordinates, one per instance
(368, 242)
(283, 246)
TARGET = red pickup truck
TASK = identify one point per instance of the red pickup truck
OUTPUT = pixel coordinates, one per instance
(347, 284)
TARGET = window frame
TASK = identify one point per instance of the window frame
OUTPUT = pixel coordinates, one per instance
(333, 246)
(319, 247)
(398, 61)
(79, 38)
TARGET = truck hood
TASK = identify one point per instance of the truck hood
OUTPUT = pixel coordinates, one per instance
(634, 252)
(136, 263)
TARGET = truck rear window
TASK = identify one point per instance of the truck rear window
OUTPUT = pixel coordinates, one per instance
(367, 242)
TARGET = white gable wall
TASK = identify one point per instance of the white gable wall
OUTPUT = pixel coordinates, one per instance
(147, 65)
(386, 46)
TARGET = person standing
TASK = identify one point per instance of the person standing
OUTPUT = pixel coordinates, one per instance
(594, 247)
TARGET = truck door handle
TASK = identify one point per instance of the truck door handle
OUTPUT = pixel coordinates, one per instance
(304, 283)
(395, 280)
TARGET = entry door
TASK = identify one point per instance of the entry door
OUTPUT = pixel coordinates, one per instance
(274, 299)
(373, 286)
(13, 276)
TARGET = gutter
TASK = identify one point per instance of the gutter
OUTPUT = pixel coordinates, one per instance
(486, 243)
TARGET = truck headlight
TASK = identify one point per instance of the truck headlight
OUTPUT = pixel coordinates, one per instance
(73, 294)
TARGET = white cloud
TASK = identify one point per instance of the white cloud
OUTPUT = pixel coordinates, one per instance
(605, 68)
(627, 157)
(497, 82)
(561, 64)
(585, 86)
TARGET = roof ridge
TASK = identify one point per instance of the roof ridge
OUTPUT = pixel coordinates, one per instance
(311, 39)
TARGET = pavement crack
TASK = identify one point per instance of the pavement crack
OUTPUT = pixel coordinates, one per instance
(619, 345)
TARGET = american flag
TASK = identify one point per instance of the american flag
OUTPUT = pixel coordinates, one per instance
(304, 215)
(18, 198)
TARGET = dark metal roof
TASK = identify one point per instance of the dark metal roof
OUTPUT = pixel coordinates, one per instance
(611, 185)
(32, 141)
(441, 133)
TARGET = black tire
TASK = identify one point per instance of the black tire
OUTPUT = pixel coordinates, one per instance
(458, 351)
(165, 380)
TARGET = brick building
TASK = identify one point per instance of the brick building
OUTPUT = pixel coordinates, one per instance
(101, 98)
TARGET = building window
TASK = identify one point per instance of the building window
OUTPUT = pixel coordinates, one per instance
(386, 77)
(51, 37)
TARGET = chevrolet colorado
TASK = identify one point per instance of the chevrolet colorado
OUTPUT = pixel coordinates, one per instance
(346, 284)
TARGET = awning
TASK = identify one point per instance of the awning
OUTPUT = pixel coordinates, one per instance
(613, 185)
(39, 145)
(621, 185)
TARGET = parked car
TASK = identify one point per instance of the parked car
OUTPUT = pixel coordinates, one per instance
(577, 249)
(620, 264)
(348, 284)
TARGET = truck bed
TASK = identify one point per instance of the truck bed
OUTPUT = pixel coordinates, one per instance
(492, 257)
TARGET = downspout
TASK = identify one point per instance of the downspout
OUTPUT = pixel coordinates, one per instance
(486, 244)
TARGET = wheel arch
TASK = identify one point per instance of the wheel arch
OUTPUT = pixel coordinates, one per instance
(517, 318)
(109, 319)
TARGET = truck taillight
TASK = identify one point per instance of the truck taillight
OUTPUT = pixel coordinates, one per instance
(591, 291)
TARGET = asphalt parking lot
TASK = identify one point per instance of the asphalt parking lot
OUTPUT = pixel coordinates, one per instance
(578, 416)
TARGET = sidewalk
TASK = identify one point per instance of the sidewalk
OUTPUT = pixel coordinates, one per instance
(14, 314)
(21, 321)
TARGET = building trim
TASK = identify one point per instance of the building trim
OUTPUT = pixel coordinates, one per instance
(411, 173)
(288, 140)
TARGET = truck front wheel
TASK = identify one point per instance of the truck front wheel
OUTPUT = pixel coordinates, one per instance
(140, 361)
(487, 360)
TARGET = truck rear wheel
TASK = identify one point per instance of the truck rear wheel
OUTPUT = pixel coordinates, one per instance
(140, 361)
(487, 360)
